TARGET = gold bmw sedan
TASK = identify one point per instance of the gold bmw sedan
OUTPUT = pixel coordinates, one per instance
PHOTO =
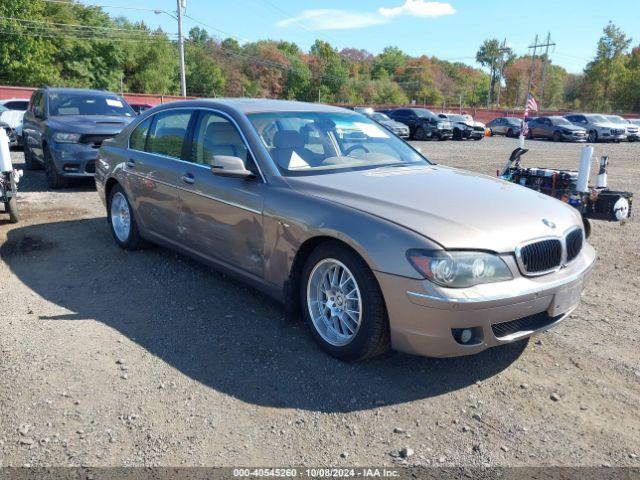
(346, 224)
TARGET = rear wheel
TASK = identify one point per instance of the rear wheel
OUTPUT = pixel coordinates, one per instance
(11, 207)
(122, 221)
(343, 305)
(54, 179)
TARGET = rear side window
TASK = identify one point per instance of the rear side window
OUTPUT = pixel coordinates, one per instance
(17, 105)
(169, 132)
(138, 137)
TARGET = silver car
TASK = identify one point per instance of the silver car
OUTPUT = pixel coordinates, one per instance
(599, 128)
(346, 224)
(632, 128)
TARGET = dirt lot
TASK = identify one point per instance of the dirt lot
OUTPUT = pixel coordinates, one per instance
(147, 358)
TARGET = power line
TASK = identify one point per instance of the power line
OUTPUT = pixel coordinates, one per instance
(132, 31)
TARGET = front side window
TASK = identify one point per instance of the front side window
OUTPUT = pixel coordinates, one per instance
(169, 132)
(215, 135)
(81, 103)
(313, 143)
(138, 138)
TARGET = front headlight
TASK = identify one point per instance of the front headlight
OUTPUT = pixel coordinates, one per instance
(459, 269)
(61, 137)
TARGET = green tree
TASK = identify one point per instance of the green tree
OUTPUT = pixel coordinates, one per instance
(607, 68)
(491, 55)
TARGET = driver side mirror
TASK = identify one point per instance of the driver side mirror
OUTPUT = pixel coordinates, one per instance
(229, 166)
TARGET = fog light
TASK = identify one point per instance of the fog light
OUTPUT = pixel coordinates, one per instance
(71, 167)
(465, 335)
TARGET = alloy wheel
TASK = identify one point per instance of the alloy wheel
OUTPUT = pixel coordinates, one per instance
(120, 216)
(334, 302)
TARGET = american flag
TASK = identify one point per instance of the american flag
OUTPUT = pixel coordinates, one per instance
(532, 106)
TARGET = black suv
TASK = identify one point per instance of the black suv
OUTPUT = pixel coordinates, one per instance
(64, 127)
(423, 124)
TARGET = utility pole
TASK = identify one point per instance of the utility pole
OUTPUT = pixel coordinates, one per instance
(503, 50)
(183, 78)
(545, 61)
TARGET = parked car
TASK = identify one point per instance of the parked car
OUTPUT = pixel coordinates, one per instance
(360, 233)
(635, 121)
(462, 127)
(599, 128)
(471, 121)
(397, 128)
(556, 128)
(507, 126)
(12, 111)
(64, 127)
(632, 129)
(140, 107)
(423, 124)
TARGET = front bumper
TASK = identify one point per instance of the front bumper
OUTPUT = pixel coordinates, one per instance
(422, 319)
(74, 160)
(573, 137)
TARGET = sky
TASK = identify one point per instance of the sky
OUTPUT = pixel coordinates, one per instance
(450, 30)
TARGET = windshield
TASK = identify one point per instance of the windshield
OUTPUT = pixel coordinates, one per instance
(560, 121)
(423, 112)
(597, 119)
(616, 119)
(87, 104)
(380, 117)
(635, 122)
(456, 118)
(513, 120)
(315, 143)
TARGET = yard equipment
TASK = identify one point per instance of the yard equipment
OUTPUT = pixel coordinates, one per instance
(571, 186)
(9, 178)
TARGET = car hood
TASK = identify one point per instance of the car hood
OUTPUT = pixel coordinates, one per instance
(575, 128)
(97, 124)
(393, 124)
(457, 209)
(607, 125)
(13, 118)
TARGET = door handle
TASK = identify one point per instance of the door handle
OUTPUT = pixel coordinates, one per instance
(131, 163)
(188, 179)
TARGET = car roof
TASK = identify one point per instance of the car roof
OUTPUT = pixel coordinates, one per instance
(258, 105)
(77, 90)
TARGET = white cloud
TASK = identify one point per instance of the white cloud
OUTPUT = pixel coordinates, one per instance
(335, 19)
(419, 8)
(328, 19)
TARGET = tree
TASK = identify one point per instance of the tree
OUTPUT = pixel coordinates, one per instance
(491, 55)
(204, 77)
(608, 66)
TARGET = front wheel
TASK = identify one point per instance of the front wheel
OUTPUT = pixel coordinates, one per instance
(54, 179)
(593, 136)
(122, 221)
(29, 161)
(509, 133)
(557, 137)
(343, 305)
(11, 207)
(420, 134)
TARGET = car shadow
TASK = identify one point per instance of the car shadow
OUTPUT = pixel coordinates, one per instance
(216, 330)
(35, 181)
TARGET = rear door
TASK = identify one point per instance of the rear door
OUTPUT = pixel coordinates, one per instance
(153, 169)
(33, 124)
(221, 217)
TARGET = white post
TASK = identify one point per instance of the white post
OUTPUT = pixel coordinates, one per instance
(5, 155)
(602, 173)
(183, 77)
(585, 169)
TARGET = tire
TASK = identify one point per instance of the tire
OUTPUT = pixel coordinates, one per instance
(457, 135)
(557, 137)
(30, 162)
(420, 134)
(54, 179)
(593, 136)
(11, 207)
(369, 337)
(509, 133)
(126, 234)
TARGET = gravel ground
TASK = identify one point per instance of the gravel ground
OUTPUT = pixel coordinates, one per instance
(113, 358)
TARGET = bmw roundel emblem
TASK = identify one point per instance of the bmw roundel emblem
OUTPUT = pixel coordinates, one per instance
(548, 223)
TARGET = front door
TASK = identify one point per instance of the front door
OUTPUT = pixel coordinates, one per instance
(221, 217)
